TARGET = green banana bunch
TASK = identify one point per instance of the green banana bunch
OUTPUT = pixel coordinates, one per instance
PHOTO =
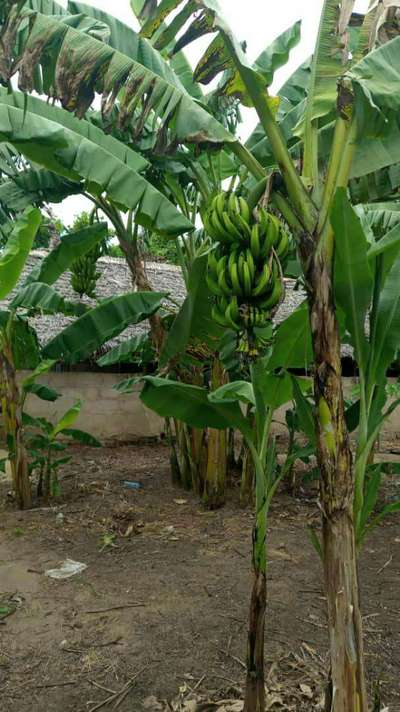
(244, 272)
(84, 274)
(227, 219)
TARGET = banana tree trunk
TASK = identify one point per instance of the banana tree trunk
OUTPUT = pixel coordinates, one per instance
(347, 688)
(247, 482)
(141, 282)
(217, 452)
(12, 416)
(254, 700)
(215, 479)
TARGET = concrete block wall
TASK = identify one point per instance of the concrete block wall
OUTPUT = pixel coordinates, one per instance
(105, 414)
(116, 418)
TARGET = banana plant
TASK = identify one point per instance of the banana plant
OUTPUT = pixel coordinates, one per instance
(366, 290)
(43, 442)
(15, 339)
(346, 91)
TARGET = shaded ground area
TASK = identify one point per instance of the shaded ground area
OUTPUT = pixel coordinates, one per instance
(176, 582)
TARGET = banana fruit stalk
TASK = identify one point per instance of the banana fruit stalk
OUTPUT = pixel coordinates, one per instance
(245, 268)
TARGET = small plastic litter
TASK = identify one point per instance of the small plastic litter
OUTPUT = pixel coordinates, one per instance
(66, 569)
(60, 519)
(128, 484)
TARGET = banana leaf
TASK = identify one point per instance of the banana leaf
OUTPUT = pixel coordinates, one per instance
(67, 420)
(292, 347)
(194, 317)
(81, 436)
(123, 353)
(40, 297)
(82, 65)
(191, 405)
(352, 273)
(16, 251)
(24, 341)
(106, 321)
(43, 392)
(36, 186)
(60, 150)
(386, 341)
(125, 40)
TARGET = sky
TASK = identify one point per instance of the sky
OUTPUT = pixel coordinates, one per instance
(256, 21)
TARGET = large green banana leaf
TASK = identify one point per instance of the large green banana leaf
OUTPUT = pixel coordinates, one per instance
(191, 405)
(124, 352)
(84, 129)
(330, 59)
(386, 341)
(36, 186)
(106, 321)
(74, 157)
(16, 251)
(82, 65)
(376, 78)
(194, 317)
(352, 274)
(70, 248)
(292, 346)
(45, 299)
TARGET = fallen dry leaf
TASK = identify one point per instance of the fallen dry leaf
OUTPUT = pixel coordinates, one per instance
(306, 690)
(151, 703)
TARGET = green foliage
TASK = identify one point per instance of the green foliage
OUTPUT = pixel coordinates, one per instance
(162, 248)
(106, 321)
(16, 251)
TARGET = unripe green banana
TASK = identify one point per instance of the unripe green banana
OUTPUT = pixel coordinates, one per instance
(282, 247)
(219, 204)
(213, 286)
(222, 283)
(232, 229)
(244, 228)
(274, 298)
(233, 205)
(223, 234)
(234, 276)
(250, 262)
(230, 315)
(212, 264)
(247, 283)
(209, 228)
(262, 283)
(218, 317)
(244, 210)
(255, 241)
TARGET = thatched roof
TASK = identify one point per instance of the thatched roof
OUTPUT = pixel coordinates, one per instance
(115, 279)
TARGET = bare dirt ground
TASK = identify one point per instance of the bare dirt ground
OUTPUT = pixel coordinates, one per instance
(161, 609)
